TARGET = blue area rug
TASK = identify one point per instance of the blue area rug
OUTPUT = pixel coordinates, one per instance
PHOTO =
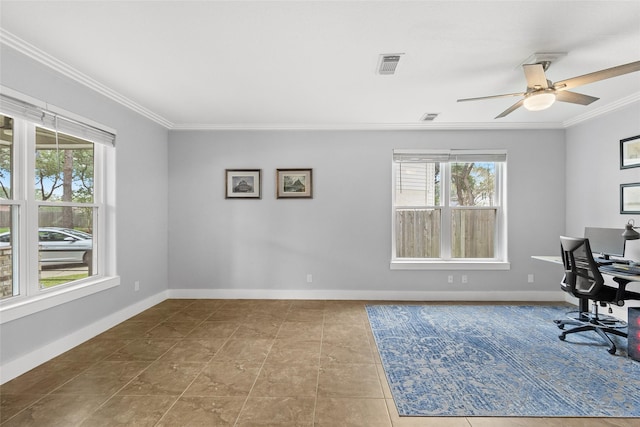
(460, 360)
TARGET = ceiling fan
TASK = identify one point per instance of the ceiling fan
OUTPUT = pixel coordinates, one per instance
(541, 93)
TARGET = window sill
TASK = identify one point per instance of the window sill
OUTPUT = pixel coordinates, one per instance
(450, 265)
(20, 307)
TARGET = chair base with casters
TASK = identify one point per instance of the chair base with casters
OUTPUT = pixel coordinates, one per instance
(602, 324)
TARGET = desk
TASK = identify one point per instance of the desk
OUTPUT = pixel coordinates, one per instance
(548, 258)
(558, 260)
(621, 279)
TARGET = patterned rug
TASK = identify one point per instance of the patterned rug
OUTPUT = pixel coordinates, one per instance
(459, 360)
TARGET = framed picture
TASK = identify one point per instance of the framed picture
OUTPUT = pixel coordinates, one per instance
(294, 183)
(243, 183)
(630, 152)
(630, 198)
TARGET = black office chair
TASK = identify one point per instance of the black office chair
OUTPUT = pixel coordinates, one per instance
(583, 280)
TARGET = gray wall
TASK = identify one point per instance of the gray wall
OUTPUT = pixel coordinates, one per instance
(342, 236)
(141, 197)
(594, 176)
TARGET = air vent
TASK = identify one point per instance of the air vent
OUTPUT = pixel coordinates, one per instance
(429, 117)
(388, 63)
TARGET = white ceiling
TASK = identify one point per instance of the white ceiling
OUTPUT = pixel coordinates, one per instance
(312, 64)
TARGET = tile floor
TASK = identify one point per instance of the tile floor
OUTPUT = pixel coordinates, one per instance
(228, 363)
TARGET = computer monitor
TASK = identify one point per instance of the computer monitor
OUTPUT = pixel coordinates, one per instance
(606, 242)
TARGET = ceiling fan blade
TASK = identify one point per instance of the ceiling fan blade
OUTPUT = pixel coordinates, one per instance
(511, 109)
(491, 97)
(536, 79)
(575, 98)
(597, 76)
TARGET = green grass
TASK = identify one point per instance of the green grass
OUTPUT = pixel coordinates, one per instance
(53, 281)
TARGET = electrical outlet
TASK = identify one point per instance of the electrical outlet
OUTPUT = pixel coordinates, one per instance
(530, 278)
(136, 286)
(309, 278)
(450, 279)
(463, 279)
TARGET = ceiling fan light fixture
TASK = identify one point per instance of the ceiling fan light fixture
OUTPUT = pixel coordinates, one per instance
(538, 101)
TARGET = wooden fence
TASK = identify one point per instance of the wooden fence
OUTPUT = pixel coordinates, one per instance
(53, 216)
(473, 233)
(418, 233)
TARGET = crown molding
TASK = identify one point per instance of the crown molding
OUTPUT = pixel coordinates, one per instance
(366, 126)
(44, 58)
(627, 100)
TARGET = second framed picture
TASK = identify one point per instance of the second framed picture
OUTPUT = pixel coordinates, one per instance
(630, 198)
(294, 183)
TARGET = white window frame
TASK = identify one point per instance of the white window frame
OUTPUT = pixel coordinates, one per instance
(445, 262)
(31, 299)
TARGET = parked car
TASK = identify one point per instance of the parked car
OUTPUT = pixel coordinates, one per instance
(60, 245)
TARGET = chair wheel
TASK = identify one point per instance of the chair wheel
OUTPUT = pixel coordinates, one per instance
(562, 337)
(612, 350)
(561, 326)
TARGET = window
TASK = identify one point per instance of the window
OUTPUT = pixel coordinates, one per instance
(448, 208)
(54, 198)
(64, 193)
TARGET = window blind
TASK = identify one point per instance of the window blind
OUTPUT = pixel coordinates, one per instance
(54, 120)
(461, 156)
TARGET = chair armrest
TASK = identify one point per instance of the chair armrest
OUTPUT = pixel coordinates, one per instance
(622, 285)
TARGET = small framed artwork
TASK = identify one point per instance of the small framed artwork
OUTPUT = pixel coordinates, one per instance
(630, 152)
(243, 183)
(630, 198)
(294, 183)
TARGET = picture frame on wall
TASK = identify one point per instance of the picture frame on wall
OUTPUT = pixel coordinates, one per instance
(630, 152)
(630, 198)
(294, 183)
(243, 184)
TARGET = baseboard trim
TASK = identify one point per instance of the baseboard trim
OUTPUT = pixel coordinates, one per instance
(17, 367)
(365, 295)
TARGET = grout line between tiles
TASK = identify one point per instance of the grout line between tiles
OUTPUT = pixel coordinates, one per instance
(204, 366)
(315, 403)
(273, 340)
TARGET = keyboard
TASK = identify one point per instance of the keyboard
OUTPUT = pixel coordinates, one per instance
(622, 269)
(609, 261)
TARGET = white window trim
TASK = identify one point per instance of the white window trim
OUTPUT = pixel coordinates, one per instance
(499, 263)
(417, 264)
(29, 302)
(33, 304)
